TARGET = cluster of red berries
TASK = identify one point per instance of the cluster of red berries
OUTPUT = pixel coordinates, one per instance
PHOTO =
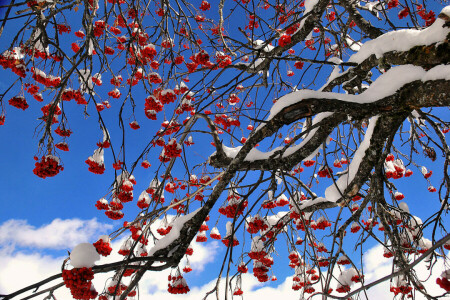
(343, 288)
(171, 149)
(47, 80)
(164, 230)
(120, 289)
(223, 60)
(62, 146)
(226, 121)
(226, 241)
(79, 281)
(46, 111)
(9, 59)
(260, 271)
(177, 285)
(152, 107)
(323, 262)
(234, 209)
(148, 52)
(69, 94)
(325, 172)
(201, 57)
(114, 94)
(48, 166)
(444, 280)
(103, 248)
(321, 223)
(256, 224)
(269, 204)
(284, 40)
(95, 167)
(114, 214)
(402, 289)
(99, 28)
(19, 102)
(242, 268)
(201, 237)
(154, 78)
(167, 96)
(63, 132)
(170, 127)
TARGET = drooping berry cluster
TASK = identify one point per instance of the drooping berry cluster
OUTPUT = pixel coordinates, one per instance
(69, 94)
(79, 281)
(177, 285)
(96, 162)
(19, 102)
(14, 60)
(103, 247)
(171, 149)
(48, 166)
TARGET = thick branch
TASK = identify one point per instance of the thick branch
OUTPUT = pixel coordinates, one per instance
(411, 96)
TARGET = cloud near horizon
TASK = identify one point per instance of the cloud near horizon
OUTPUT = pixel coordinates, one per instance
(59, 234)
(20, 269)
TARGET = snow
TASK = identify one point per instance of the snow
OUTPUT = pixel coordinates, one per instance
(37, 38)
(90, 47)
(307, 203)
(309, 5)
(404, 207)
(84, 255)
(105, 238)
(258, 44)
(333, 192)
(177, 225)
(352, 44)
(403, 40)
(256, 154)
(385, 85)
(85, 78)
(98, 156)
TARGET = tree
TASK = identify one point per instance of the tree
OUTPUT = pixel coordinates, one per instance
(315, 110)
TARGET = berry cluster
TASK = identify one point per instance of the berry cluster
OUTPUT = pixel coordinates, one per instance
(227, 243)
(215, 234)
(48, 166)
(103, 248)
(152, 107)
(226, 121)
(96, 162)
(171, 149)
(177, 285)
(18, 102)
(256, 223)
(444, 281)
(325, 172)
(62, 146)
(46, 111)
(95, 167)
(63, 133)
(79, 281)
(234, 209)
(14, 61)
(69, 94)
(167, 96)
(201, 237)
(260, 271)
(47, 80)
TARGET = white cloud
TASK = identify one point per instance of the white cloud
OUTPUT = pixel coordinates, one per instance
(59, 234)
(376, 266)
(20, 269)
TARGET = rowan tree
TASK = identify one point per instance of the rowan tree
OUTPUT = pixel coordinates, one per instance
(284, 126)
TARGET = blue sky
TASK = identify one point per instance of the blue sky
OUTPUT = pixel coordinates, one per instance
(41, 219)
